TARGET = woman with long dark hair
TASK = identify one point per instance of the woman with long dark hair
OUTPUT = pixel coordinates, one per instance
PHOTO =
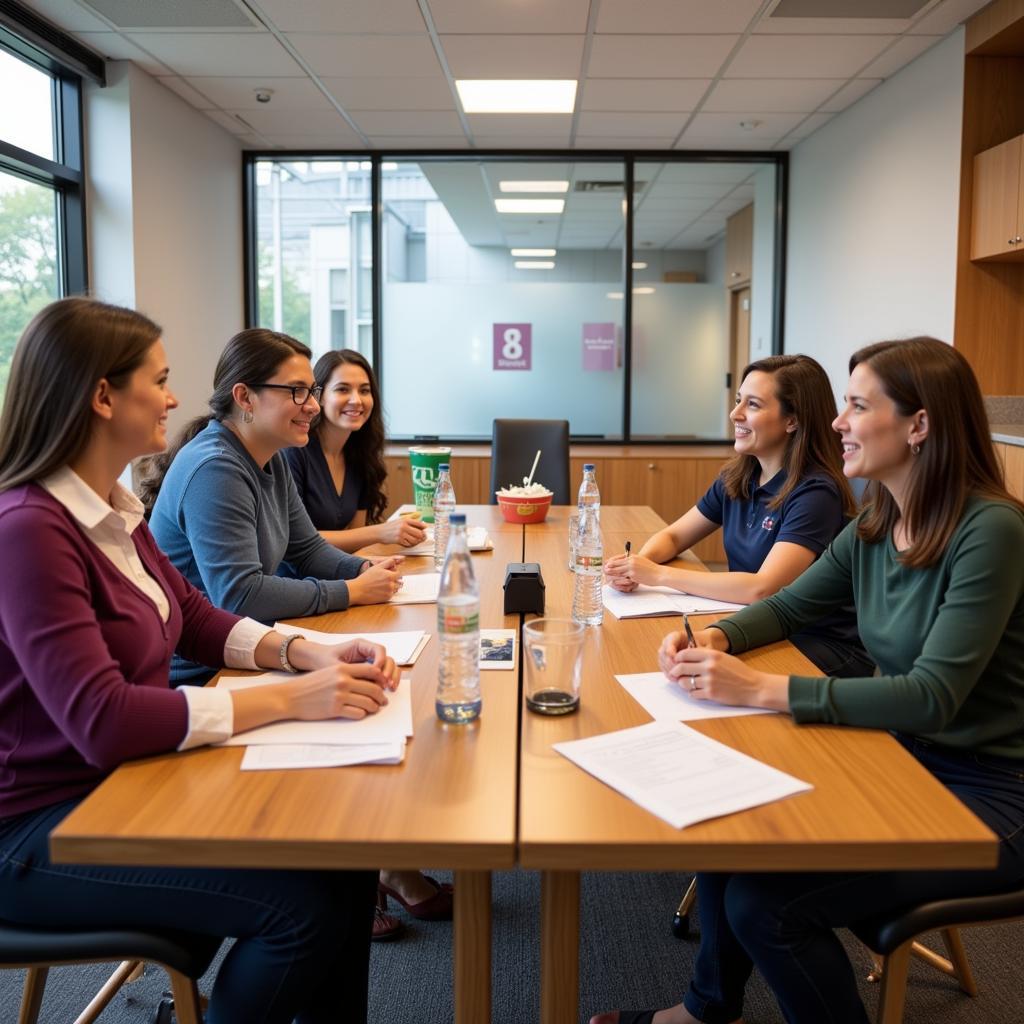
(779, 501)
(340, 474)
(90, 612)
(226, 511)
(935, 567)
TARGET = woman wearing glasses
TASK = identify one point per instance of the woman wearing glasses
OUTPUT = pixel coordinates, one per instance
(224, 505)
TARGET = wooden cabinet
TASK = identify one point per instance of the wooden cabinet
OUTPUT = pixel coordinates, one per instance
(739, 247)
(470, 477)
(997, 212)
(1011, 457)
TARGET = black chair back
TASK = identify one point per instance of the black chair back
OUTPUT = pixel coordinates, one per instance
(514, 443)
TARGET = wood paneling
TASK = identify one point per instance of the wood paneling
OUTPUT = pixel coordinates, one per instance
(997, 30)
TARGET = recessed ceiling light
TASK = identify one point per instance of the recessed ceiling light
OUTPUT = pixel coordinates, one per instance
(639, 266)
(643, 291)
(535, 264)
(517, 96)
(533, 186)
(533, 252)
(749, 126)
(529, 205)
(615, 295)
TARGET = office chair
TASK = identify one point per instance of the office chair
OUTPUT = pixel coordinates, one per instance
(514, 443)
(183, 955)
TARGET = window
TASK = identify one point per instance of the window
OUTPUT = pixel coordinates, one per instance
(42, 236)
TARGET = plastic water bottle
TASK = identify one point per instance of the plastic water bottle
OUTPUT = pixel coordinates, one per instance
(458, 626)
(587, 598)
(444, 505)
(589, 496)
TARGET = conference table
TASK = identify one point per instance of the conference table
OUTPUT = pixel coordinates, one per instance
(493, 794)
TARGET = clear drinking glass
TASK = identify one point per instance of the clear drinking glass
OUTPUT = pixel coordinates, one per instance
(574, 529)
(552, 650)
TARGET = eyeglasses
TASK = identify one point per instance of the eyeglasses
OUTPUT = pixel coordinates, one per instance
(301, 394)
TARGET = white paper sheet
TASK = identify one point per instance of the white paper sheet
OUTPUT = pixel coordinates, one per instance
(305, 755)
(418, 588)
(476, 536)
(665, 701)
(651, 602)
(497, 649)
(391, 724)
(401, 511)
(678, 774)
(404, 646)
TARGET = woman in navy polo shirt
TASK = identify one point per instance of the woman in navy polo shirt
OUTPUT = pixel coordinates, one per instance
(340, 474)
(779, 502)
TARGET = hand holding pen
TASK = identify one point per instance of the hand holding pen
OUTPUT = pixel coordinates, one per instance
(690, 642)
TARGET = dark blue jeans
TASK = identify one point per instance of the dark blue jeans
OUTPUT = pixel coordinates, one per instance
(303, 946)
(783, 923)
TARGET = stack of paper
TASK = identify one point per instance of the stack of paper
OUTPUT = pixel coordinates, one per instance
(404, 645)
(418, 588)
(477, 537)
(678, 774)
(376, 739)
(666, 701)
(652, 602)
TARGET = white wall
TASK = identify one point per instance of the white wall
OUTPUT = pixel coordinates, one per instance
(873, 203)
(165, 221)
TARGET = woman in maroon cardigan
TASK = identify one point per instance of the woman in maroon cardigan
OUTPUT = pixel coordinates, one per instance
(90, 613)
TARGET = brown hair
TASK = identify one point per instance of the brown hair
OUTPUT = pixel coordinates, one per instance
(803, 390)
(955, 461)
(63, 354)
(250, 357)
(364, 449)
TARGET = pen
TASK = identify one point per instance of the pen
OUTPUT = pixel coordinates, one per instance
(689, 632)
(628, 546)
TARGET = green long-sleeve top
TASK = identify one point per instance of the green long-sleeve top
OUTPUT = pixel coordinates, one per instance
(948, 640)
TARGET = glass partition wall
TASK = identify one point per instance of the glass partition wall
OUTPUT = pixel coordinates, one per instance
(528, 285)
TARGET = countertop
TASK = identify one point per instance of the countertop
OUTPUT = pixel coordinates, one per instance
(1008, 433)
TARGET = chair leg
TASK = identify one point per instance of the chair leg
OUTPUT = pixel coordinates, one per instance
(958, 958)
(32, 994)
(187, 1002)
(893, 988)
(124, 973)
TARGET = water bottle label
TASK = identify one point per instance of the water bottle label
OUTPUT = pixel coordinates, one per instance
(455, 620)
(589, 561)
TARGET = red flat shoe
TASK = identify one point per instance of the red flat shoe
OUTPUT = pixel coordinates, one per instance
(386, 927)
(434, 908)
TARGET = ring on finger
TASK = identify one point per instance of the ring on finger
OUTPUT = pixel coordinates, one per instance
(693, 683)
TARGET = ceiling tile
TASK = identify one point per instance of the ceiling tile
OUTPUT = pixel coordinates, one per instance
(944, 18)
(643, 94)
(678, 16)
(805, 56)
(779, 95)
(629, 125)
(513, 56)
(694, 142)
(806, 127)
(490, 141)
(240, 93)
(645, 56)
(426, 141)
(192, 54)
(727, 126)
(541, 125)
(115, 47)
(901, 53)
(187, 93)
(316, 143)
(849, 94)
(624, 142)
(70, 16)
(367, 56)
(392, 93)
(832, 26)
(229, 122)
(312, 122)
(498, 16)
(398, 122)
(344, 15)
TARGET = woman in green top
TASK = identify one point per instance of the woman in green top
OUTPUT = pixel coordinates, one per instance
(935, 567)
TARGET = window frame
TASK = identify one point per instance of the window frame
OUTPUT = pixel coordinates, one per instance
(628, 158)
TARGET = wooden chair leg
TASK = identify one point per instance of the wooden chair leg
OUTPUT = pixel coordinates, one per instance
(187, 1002)
(111, 986)
(32, 994)
(958, 958)
(893, 988)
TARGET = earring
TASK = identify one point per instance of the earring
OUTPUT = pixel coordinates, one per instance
(247, 416)
(915, 449)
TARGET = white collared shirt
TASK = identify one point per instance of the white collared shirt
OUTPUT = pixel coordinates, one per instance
(110, 528)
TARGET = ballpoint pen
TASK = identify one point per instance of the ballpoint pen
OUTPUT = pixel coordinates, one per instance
(628, 546)
(691, 642)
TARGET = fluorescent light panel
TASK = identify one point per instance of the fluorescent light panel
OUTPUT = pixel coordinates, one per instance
(535, 264)
(517, 96)
(639, 266)
(529, 205)
(533, 252)
(533, 186)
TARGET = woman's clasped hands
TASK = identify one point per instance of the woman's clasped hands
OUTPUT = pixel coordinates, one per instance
(626, 572)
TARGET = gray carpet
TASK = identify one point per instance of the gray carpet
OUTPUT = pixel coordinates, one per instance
(628, 958)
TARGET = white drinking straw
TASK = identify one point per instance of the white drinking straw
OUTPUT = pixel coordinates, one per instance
(536, 459)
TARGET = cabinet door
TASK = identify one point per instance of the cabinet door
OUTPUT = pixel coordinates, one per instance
(398, 483)
(1011, 457)
(995, 224)
(739, 247)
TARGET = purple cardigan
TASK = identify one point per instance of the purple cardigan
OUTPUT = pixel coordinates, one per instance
(84, 655)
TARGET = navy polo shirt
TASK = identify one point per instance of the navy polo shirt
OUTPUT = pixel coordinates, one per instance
(811, 515)
(328, 509)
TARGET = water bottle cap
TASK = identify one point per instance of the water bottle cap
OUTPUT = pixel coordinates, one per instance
(588, 467)
(443, 466)
(457, 519)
